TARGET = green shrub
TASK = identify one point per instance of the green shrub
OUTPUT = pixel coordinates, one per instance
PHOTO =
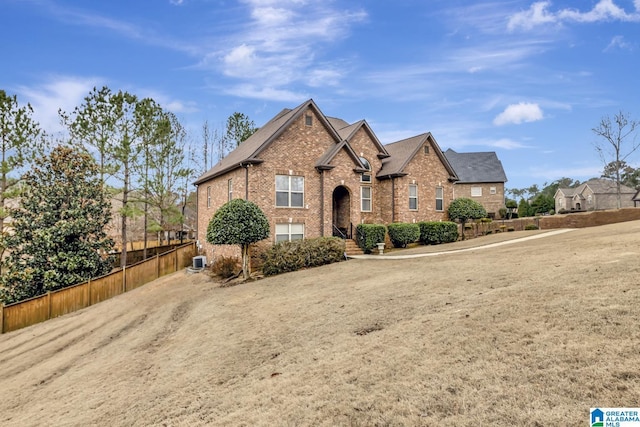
(530, 227)
(291, 256)
(401, 234)
(225, 267)
(502, 212)
(436, 232)
(369, 235)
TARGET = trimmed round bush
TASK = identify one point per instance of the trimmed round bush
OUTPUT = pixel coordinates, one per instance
(402, 233)
(369, 235)
(291, 256)
(436, 232)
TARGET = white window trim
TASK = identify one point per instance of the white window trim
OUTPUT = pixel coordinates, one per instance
(362, 199)
(478, 189)
(413, 197)
(289, 192)
(288, 233)
(209, 196)
(230, 188)
(493, 190)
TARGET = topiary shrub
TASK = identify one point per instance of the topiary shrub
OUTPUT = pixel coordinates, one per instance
(530, 227)
(402, 233)
(291, 256)
(238, 222)
(436, 232)
(369, 235)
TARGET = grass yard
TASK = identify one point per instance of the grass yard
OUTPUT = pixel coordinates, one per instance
(532, 333)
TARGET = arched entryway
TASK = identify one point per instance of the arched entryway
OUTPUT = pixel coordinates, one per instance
(341, 212)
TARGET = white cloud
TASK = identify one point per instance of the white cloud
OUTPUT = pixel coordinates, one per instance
(539, 14)
(519, 113)
(280, 45)
(266, 93)
(60, 92)
(618, 42)
(507, 144)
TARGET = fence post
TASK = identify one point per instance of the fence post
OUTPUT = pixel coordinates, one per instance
(49, 304)
(175, 260)
(158, 266)
(1, 318)
(89, 294)
(124, 279)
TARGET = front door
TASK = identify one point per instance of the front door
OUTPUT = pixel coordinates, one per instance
(342, 212)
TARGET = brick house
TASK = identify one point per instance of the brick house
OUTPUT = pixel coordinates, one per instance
(594, 195)
(315, 175)
(481, 178)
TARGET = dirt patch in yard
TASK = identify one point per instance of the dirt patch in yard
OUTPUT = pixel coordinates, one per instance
(531, 333)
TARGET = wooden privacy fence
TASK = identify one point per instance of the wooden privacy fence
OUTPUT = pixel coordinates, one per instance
(73, 298)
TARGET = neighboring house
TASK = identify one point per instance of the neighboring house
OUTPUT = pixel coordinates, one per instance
(315, 176)
(482, 179)
(594, 195)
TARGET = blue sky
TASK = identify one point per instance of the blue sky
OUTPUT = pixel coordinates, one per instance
(527, 79)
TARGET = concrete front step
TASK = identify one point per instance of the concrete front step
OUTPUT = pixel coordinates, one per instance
(352, 248)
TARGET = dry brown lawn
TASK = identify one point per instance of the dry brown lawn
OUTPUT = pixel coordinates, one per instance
(530, 333)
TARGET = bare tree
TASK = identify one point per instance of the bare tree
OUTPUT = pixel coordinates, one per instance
(618, 142)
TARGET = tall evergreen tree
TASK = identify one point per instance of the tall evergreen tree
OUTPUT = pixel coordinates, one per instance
(58, 236)
(19, 140)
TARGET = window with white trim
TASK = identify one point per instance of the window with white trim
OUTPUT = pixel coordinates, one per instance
(230, 188)
(476, 191)
(209, 196)
(439, 199)
(289, 191)
(413, 197)
(365, 177)
(289, 232)
(365, 199)
(492, 190)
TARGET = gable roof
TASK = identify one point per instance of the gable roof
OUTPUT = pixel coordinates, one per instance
(248, 152)
(401, 153)
(604, 186)
(567, 192)
(476, 167)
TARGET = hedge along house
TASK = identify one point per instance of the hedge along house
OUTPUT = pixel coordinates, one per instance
(314, 176)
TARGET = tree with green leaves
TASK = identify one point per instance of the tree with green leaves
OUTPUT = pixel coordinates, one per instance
(617, 143)
(629, 176)
(524, 209)
(152, 125)
(511, 206)
(542, 204)
(239, 128)
(93, 124)
(238, 222)
(463, 209)
(19, 141)
(58, 236)
(168, 171)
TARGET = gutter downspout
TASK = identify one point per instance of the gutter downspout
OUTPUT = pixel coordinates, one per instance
(321, 203)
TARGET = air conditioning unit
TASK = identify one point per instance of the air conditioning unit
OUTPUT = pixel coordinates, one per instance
(199, 261)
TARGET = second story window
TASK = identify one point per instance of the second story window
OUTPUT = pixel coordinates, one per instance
(230, 189)
(209, 196)
(366, 176)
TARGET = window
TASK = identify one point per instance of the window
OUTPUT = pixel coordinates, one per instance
(365, 199)
(439, 199)
(308, 120)
(426, 149)
(492, 190)
(365, 177)
(413, 197)
(476, 191)
(209, 196)
(230, 188)
(289, 232)
(289, 191)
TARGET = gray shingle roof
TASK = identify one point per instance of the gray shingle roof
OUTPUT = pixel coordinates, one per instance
(401, 153)
(604, 186)
(476, 167)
